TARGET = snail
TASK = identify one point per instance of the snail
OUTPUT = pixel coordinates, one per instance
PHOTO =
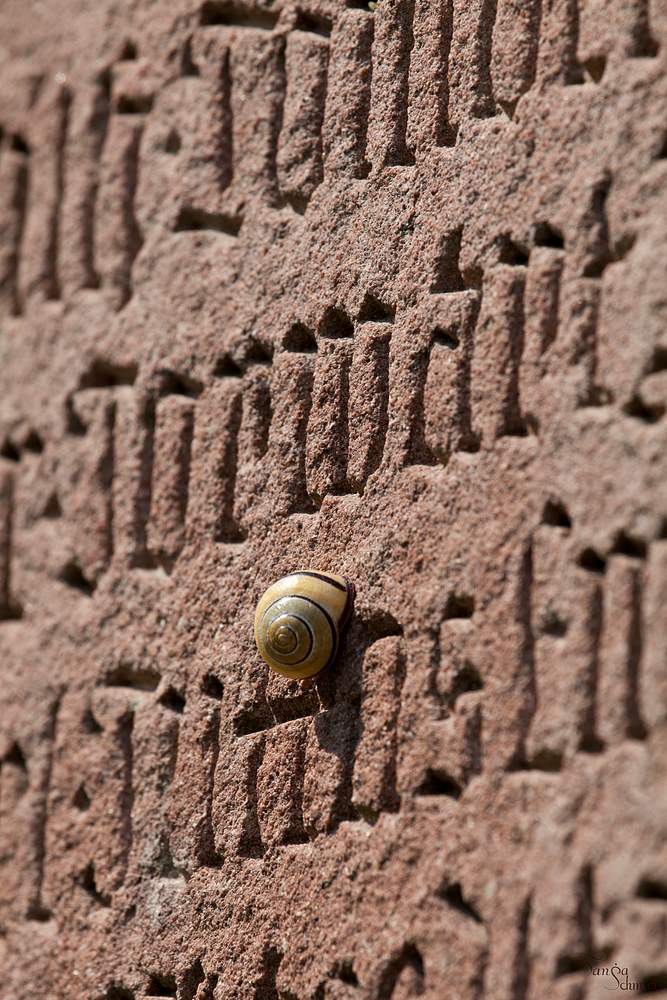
(299, 619)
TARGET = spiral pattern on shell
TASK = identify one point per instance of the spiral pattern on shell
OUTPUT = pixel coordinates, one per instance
(299, 619)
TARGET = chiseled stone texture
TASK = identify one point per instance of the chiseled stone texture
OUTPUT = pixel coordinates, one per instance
(290, 284)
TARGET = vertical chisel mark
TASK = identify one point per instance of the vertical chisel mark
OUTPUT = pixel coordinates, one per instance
(653, 677)
(171, 470)
(526, 686)
(88, 122)
(388, 122)
(328, 432)
(575, 345)
(470, 89)
(374, 777)
(566, 624)
(497, 353)
(14, 181)
(447, 275)
(541, 310)
(225, 131)
(521, 964)
(8, 607)
(38, 265)
(557, 61)
(280, 780)
(299, 160)
(227, 529)
(447, 413)
(36, 910)
(134, 434)
(214, 463)
(515, 42)
(235, 801)
(253, 441)
(620, 652)
(291, 395)
(349, 95)
(368, 405)
(90, 507)
(123, 734)
(53, 286)
(257, 69)
(428, 106)
(117, 237)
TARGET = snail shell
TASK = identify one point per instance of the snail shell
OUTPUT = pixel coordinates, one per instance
(299, 619)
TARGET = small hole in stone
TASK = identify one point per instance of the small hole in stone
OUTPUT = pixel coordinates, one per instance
(258, 353)
(554, 626)
(547, 236)
(346, 974)
(595, 68)
(373, 310)
(336, 324)
(173, 143)
(467, 680)
(453, 896)
(627, 546)
(52, 509)
(19, 145)
(87, 881)
(567, 965)
(227, 12)
(658, 361)
(547, 760)
(34, 443)
(459, 606)
(129, 51)
(132, 676)
(647, 414)
(383, 624)
(188, 65)
(16, 757)
(173, 700)
(650, 888)
(300, 340)
(314, 23)
(9, 451)
(591, 561)
(73, 576)
(596, 268)
(512, 254)
(161, 986)
(556, 515)
(179, 384)
(90, 724)
(139, 105)
(104, 375)
(439, 783)
(212, 687)
(81, 800)
(226, 367)
(445, 338)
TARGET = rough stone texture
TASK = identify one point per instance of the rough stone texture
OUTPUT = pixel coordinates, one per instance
(301, 285)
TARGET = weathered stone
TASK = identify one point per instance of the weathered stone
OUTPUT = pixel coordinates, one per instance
(371, 291)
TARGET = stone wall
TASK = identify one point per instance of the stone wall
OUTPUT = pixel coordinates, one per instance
(380, 292)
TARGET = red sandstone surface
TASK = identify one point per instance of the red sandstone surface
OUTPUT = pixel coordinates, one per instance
(302, 285)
